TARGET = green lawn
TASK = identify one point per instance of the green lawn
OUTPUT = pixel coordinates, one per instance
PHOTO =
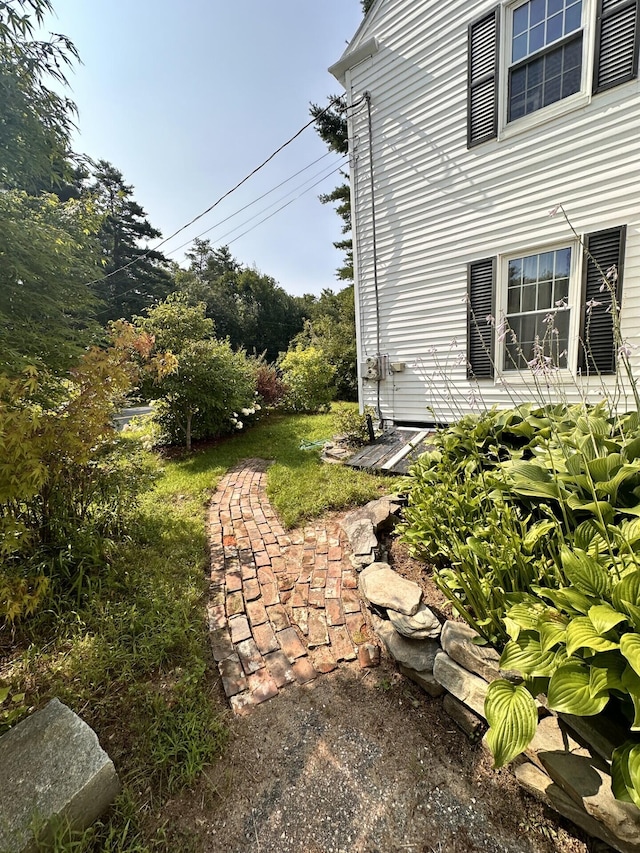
(132, 657)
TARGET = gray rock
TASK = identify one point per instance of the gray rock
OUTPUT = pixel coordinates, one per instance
(379, 513)
(537, 783)
(423, 625)
(362, 537)
(471, 724)
(601, 733)
(552, 736)
(374, 567)
(52, 766)
(457, 641)
(418, 655)
(387, 588)
(470, 689)
(589, 785)
(423, 679)
(359, 561)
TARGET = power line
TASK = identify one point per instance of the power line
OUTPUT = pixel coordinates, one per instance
(324, 174)
(222, 197)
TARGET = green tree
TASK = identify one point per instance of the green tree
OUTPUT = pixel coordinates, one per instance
(49, 252)
(209, 385)
(134, 277)
(308, 380)
(35, 120)
(331, 126)
(331, 327)
(247, 306)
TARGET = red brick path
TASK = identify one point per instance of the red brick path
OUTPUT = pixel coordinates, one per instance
(283, 607)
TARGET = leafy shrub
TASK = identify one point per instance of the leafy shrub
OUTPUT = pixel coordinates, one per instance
(353, 425)
(554, 492)
(308, 378)
(269, 385)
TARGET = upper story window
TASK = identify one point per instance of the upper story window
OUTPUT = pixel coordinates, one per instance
(548, 50)
(546, 54)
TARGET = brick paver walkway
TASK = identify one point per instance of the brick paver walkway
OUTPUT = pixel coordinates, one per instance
(283, 607)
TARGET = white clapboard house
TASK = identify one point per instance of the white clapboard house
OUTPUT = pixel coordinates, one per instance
(469, 122)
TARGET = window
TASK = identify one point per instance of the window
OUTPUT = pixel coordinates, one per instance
(552, 304)
(548, 45)
(537, 316)
(546, 54)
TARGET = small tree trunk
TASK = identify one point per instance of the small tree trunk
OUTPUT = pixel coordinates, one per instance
(188, 432)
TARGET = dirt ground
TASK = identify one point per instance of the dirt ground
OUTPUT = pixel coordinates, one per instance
(360, 761)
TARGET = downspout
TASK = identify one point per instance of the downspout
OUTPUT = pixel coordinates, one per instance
(367, 97)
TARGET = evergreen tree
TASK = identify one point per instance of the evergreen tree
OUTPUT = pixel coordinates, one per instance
(331, 125)
(134, 277)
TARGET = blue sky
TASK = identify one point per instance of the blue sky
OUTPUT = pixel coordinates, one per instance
(187, 98)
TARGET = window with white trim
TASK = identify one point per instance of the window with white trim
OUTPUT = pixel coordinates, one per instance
(549, 47)
(546, 54)
(538, 312)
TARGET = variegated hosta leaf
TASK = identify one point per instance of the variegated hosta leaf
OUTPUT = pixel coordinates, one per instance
(525, 656)
(576, 464)
(585, 572)
(581, 634)
(592, 426)
(625, 773)
(604, 617)
(552, 630)
(512, 716)
(631, 683)
(570, 691)
(630, 648)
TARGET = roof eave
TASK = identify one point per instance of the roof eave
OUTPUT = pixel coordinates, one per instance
(351, 58)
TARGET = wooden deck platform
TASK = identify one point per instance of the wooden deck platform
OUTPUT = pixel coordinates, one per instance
(394, 452)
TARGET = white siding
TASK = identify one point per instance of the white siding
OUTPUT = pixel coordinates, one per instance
(440, 205)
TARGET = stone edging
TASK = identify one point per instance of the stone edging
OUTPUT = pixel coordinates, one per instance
(567, 765)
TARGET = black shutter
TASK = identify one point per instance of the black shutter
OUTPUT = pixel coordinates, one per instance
(616, 48)
(482, 80)
(480, 333)
(597, 344)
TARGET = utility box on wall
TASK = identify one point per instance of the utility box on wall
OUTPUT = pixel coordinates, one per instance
(375, 367)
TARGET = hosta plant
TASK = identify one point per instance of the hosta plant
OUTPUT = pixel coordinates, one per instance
(580, 645)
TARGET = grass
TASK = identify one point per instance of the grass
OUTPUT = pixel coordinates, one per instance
(132, 656)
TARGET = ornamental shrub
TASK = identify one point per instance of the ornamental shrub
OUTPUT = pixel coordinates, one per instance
(308, 378)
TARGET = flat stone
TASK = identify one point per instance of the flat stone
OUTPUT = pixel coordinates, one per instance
(457, 641)
(376, 512)
(423, 679)
(362, 537)
(360, 561)
(552, 736)
(242, 703)
(240, 630)
(601, 733)
(387, 588)
(322, 659)
(262, 686)
(52, 765)
(233, 678)
(249, 654)
(256, 612)
(318, 633)
(368, 655)
(468, 722)
(280, 668)
(589, 786)
(341, 645)
(537, 783)
(335, 613)
(303, 670)
(221, 643)
(470, 689)
(423, 625)
(278, 617)
(290, 643)
(414, 654)
(265, 638)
